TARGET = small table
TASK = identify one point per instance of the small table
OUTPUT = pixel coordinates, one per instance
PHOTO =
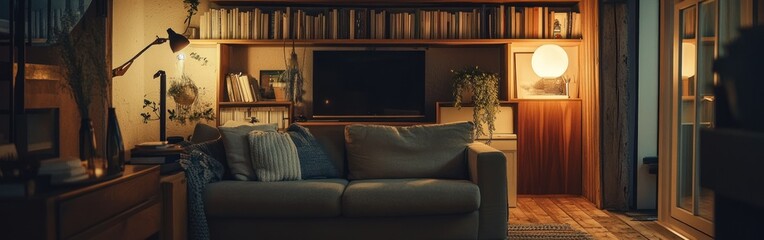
(127, 207)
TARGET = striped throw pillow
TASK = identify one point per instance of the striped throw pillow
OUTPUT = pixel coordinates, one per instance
(274, 156)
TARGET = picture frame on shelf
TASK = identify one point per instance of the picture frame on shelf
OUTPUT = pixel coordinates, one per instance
(525, 84)
(266, 78)
(528, 85)
(42, 138)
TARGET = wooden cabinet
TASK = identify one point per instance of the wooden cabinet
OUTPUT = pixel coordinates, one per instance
(174, 206)
(126, 207)
(549, 147)
(504, 138)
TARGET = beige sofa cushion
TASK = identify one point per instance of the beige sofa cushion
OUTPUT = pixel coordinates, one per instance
(290, 199)
(409, 197)
(423, 151)
(237, 148)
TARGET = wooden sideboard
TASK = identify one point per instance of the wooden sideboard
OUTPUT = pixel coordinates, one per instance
(127, 207)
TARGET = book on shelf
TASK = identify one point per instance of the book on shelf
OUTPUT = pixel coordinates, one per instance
(278, 115)
(240, 88)
(492, 21)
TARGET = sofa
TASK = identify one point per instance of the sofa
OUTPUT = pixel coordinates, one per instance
(472, 207)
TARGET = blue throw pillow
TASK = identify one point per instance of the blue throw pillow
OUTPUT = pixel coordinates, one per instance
(314, 161)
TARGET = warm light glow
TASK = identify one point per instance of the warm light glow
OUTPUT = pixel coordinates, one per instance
(688, 60)
(549, 61)
(180, 65)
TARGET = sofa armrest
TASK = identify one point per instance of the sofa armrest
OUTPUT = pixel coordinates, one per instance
(488, 170)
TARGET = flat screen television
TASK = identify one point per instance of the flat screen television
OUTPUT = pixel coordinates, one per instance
(372, 85)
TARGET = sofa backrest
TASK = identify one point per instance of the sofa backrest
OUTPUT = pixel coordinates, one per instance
(332, 138)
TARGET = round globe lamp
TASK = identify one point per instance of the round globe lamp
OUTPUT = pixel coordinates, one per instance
(549, 61)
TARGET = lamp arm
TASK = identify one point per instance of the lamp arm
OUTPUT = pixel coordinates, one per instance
(122, 69)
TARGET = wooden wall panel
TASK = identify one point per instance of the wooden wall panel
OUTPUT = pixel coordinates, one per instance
(618, 93)
(549, 147)
(590, 109)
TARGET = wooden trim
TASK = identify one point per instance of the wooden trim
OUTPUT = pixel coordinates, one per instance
(254, 104)
(665, 109)
(345, 42)
(333, 123)
(224, 52)
(375, 2)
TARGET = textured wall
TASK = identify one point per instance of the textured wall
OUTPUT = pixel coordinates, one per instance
(136, 23)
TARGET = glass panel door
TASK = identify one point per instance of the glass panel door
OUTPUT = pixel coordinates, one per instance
(697, 49)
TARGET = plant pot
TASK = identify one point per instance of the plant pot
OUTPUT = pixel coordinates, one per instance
(186, 96)
(467, 95)
(280, 91)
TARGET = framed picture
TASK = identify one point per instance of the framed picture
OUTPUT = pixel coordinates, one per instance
(529, 85)
(266, 77)
(42, 138)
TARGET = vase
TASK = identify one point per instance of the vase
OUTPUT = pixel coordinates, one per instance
(88, 145)
(115, 148)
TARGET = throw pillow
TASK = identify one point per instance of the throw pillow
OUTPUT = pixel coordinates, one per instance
(237, 148)
(424, 151)
(314, 161)
(274, 156)
(214, 149)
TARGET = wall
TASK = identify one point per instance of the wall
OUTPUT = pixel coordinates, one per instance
(137, 23)
(647, 102)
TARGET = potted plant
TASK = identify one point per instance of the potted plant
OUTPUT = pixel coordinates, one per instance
(484, 88)
(280, 88)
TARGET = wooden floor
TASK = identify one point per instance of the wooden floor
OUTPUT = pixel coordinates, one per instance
(583, 215)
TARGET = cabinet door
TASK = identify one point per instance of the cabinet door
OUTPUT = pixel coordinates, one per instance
(549, 147)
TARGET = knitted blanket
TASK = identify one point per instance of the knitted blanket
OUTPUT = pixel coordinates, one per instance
(201, 169)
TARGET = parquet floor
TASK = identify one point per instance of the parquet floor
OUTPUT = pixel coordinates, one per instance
(583, 215)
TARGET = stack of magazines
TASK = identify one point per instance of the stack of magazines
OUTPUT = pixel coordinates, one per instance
(157, 153)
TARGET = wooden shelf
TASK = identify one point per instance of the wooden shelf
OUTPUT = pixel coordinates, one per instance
(549, 100)
(375, 2)
(345, 42)
(254, 104)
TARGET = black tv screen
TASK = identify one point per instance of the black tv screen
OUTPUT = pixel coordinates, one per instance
(368, 84)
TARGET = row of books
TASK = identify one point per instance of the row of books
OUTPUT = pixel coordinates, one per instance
(487, 21)
(279, 115)
(241, 88)
(42, 23)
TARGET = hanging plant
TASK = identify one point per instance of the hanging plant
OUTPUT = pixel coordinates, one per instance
(185, 94)
(485, 97)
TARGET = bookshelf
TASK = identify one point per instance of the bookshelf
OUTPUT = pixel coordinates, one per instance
(232, 51)
(429, 21)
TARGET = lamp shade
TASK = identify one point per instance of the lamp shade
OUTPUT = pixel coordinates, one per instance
(177, 41)
(689, 54)
(549, 61)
